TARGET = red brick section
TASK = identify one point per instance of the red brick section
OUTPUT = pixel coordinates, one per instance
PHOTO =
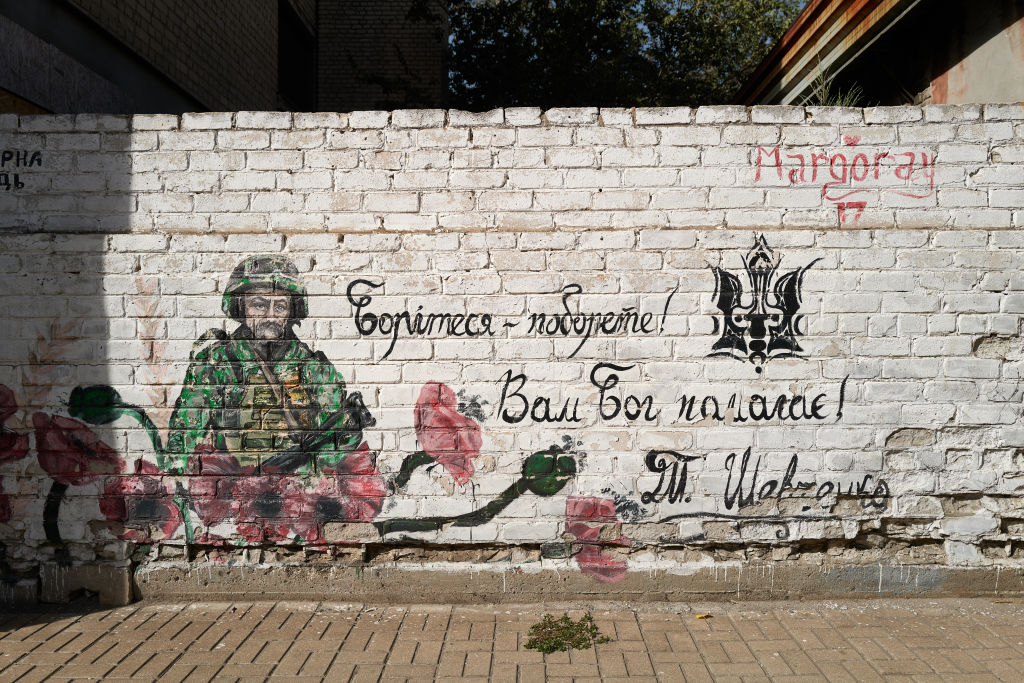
(982, 639)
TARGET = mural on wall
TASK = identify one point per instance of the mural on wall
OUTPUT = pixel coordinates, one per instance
(764, 324)
(265, 444)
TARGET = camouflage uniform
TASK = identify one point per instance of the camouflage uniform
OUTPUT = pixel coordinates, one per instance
(227, 400)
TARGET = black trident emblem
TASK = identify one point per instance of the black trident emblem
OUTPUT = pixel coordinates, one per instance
(765, 323)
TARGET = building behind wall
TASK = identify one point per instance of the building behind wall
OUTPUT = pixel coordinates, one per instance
(123, 56)
(898, 52)
(383, 55)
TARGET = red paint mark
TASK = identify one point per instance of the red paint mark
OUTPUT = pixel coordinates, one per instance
(858, 207)
(912, 173)
(70, 451)
(774, 152)
(588, 518)
(940, 89)
(446, 435)
(927, 170)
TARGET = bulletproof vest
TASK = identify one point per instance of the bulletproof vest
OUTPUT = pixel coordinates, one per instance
(258, 428)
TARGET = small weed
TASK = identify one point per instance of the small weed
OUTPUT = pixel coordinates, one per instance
(824, 94)
(558, 635)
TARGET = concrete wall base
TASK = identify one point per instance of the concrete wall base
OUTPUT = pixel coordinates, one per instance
(186, 582)
(111, 584)
(19, 592)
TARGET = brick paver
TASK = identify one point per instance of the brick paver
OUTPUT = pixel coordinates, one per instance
(920, 640)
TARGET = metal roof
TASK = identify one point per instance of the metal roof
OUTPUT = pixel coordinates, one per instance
(827, 36)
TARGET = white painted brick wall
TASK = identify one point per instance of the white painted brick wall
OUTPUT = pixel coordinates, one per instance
(117, 246)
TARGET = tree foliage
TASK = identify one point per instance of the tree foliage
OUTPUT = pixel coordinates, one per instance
(551, 53)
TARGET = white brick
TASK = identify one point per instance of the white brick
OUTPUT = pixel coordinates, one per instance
(998, 112)
(355, 139)
(206, 120)
(777, 114)
(243, 139)
(750, 135)
(571, 116)
(721, 114)
(544, 137)
(616, 116)
(691, 135)
(975, 368)
(148, 122)
(442, 137)
(494, 117)
(834, 115)
(952, 112)
(522, 116)
(263, 119)
(724, 198)
(391, 201)
(417, 118)
(368, 119)
(319, 120)
(476, 179)
(655, 116)
(892, 114)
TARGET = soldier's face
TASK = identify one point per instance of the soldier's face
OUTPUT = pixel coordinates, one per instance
(266, 313)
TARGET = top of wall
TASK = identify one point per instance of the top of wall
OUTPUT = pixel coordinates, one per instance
(517, 169)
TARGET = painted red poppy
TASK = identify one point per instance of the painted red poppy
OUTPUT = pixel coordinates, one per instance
(70, 451)
(139, 502)
(446, 435)
(211, 493)
(13, 446)
(275, 509)
(593, 521)
(356, 492)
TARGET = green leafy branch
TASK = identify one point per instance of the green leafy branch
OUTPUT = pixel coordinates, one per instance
(544, 473)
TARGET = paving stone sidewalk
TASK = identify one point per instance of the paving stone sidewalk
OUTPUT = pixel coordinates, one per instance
(919, 640)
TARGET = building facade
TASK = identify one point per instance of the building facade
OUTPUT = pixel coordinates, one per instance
(120, 56)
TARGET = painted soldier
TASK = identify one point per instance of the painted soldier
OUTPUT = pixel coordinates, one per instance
(260, 394)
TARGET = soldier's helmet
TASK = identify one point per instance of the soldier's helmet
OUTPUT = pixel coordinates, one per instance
(264, 271)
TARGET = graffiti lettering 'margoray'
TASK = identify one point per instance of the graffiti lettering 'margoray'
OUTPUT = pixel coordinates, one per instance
(846, 173)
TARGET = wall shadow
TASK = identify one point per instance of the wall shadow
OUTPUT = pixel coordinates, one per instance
(65, 273)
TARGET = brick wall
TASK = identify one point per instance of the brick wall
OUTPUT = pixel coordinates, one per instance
(620, 341)
(381, 54)
(222, 53)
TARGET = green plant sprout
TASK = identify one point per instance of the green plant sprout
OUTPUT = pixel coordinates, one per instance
(558, 635)
(823, 94)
